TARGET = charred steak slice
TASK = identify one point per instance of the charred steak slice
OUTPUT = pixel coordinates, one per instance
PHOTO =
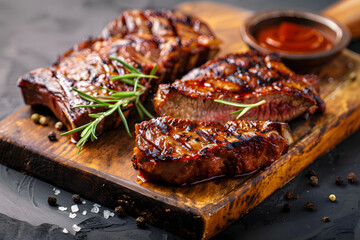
(141, 38)
(245, 78)
(179, 151)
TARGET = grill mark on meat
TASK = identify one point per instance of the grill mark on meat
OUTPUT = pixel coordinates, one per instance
(256, 144)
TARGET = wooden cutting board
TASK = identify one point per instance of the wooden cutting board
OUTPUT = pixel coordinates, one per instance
(103, 172)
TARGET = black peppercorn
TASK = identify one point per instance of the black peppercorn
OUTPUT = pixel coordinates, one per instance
(339, 180)
(314, 181)
(52, 201)
(120, 211)
(52, 136)
(76, 198)
(140, 222)
(289, 195)
(310, 206)
(311, 173)
(287, 207)
(351, 177)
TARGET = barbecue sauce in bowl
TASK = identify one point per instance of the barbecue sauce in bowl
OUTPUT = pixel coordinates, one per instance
(293, 38)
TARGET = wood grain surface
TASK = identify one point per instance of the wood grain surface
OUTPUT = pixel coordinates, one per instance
(103, 172)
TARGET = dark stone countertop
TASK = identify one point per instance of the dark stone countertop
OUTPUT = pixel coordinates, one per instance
(34, 32)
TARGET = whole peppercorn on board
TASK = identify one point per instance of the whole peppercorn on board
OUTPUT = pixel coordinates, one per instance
(103, 171)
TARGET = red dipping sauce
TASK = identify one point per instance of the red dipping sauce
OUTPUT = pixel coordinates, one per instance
(293, 38)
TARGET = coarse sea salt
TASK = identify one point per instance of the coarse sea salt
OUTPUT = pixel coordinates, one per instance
(62, 208)
(84, 212)
(76, 228)
(65, 231)
(57, 192)
(96, 205)
(74, 208)
(83, 202)
(106, 214)
(72, 215)
(95, 209)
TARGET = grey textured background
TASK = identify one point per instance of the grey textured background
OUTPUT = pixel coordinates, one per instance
(33, 33)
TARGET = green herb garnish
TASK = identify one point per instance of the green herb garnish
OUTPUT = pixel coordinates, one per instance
(241, 112)
(113, 102)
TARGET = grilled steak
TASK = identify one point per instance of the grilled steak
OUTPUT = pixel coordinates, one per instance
(171, 40)
(179, 151)
(244, 78)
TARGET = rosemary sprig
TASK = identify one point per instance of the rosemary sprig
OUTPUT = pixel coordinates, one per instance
(241, 112)
(113, 102)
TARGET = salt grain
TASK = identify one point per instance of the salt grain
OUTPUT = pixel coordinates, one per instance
(84, 212)
(96, 205)
(95, 209)
(62, 208)
(74, 208)
(106, 214)
(57, 192)
(76, 228)
(83, 202)
(112, 214)
(65, 231)
(72, 215)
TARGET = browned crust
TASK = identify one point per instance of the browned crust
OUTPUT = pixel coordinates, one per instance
(179, 151)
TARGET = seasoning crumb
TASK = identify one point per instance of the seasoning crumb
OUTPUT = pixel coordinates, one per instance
(310, 206)
(140, 222)
(296, 196)
(52, 136)
(61, 208)
(58, 125)
(314, 181)
(289, 195)
(332, 197)
(120, 211)
(311, 173)
(351, 177)
(74, 208)
(326, 219)
(76, 198)
(286, 207)
(43, 120)
(339, 180)
(52, 201)
(95, 209)
(35, 117)
(76, 228)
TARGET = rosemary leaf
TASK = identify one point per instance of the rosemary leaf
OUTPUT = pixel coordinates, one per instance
(153, 71)
(241, 112)
(126, 65)
(132, 75)
(143, 109)
(123, 119)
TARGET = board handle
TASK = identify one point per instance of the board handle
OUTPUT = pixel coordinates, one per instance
(346, 12)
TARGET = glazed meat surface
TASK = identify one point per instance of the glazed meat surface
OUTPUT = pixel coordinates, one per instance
(179, 151)
(244, 78)
(171, 40)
